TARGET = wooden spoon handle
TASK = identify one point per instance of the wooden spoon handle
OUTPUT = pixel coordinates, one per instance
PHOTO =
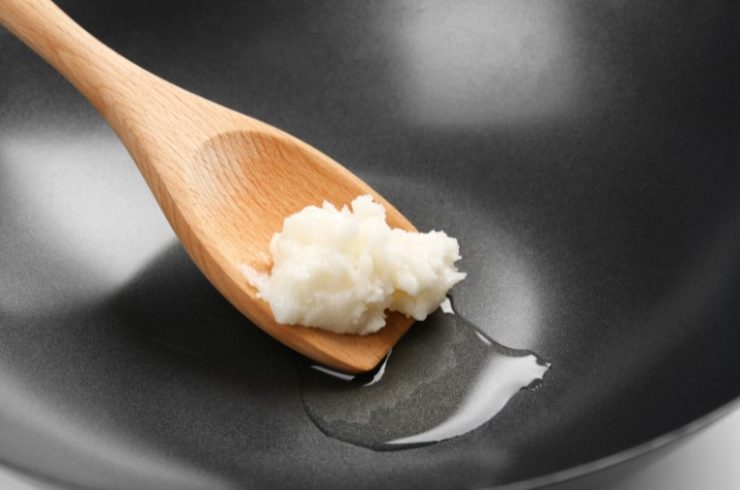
(87, 63)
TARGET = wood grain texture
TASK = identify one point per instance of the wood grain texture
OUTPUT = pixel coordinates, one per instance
(224, 181)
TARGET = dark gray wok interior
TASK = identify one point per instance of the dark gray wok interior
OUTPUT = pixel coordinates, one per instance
(585, 154)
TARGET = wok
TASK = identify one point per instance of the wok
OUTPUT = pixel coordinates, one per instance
(585, 154)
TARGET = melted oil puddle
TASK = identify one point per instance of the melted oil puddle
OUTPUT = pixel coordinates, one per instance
(444, 379)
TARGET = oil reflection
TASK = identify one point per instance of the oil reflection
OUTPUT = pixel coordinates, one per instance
(477, 62)
(444, 379)
(499, 379)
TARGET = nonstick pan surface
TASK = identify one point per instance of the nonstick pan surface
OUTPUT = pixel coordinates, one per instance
(585, 154)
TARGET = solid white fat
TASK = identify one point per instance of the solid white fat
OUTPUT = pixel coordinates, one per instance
(341, 269)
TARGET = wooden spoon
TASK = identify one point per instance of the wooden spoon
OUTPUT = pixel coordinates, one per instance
(224, 181)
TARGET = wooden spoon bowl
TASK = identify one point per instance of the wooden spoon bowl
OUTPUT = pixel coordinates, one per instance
(224, 181)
